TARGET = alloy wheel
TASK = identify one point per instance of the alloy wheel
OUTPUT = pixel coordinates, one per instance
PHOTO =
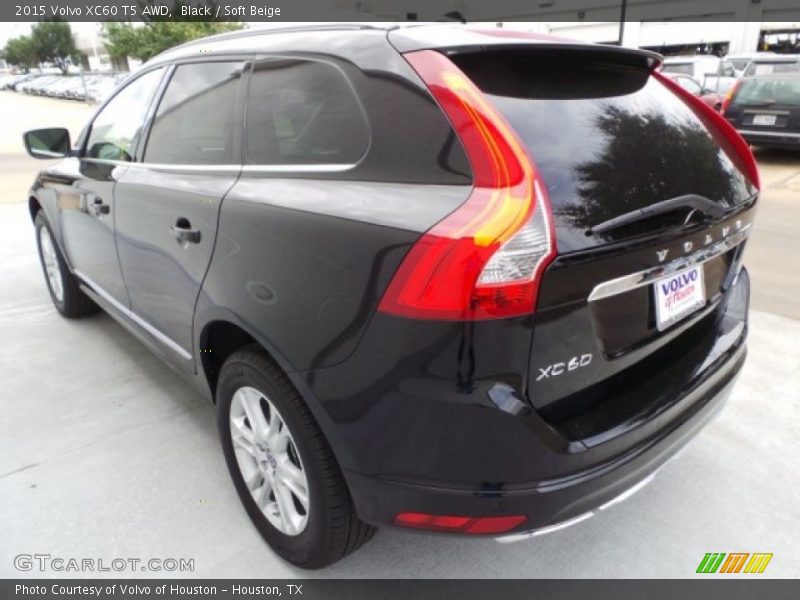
(268, 461)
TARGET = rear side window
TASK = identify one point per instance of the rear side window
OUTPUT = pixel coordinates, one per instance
(767, 68)
(766, 92)
(116, 129)
(302, 112)
(682, 68)
(195, 121)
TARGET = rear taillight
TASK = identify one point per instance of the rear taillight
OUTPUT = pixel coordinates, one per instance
(485, 259)
(454, 524)
(730, 96)
(726, 135)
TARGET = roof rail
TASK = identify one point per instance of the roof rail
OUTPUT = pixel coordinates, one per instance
(242, 33)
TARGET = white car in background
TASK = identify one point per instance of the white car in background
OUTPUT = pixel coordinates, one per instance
(713, 73)
(740, 60)
(767, 65)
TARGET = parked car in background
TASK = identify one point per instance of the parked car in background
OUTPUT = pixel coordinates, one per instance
(61, 87)
(102, 87)
(431, 277)
(740, 60)
(40, 85)
(26, 84)
(95, 87)
(766, 109)
(691, 85)
(779, 63)
(711, 72)
(15, 80)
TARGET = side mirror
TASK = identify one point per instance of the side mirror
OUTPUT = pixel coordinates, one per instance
(48, 143)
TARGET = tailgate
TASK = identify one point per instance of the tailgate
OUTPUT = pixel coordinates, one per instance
(643, 199)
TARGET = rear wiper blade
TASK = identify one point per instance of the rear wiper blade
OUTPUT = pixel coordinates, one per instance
(706, 206)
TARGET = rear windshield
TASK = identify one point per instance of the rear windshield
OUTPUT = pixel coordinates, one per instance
(607, 138)
(765, 92)
(767, 68)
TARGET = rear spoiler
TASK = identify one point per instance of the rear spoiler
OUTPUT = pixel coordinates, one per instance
(454, 39)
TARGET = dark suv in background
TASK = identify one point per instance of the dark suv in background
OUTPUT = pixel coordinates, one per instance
(765, 109)
(437, 277)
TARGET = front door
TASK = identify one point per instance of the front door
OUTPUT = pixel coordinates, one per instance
(87, 207)
(168, 204)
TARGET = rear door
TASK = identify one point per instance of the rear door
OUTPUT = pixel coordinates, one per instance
(168, 204)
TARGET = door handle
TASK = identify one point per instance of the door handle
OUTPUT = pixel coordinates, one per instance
(183, 232)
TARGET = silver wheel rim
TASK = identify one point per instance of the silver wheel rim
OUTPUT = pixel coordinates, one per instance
(268, 461)
(50, 260)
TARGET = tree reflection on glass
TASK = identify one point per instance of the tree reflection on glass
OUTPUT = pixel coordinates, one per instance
(647, 156)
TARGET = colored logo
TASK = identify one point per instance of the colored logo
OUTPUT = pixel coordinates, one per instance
(735, 562)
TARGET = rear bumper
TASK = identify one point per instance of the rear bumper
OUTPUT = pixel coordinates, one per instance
(549, 502)
(782, 139)
(524, 467)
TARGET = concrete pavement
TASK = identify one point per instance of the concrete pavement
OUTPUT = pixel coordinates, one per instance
(105, 453)
(21, 113)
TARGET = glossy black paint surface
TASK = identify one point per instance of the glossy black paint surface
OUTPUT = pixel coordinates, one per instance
(296, 259)
(162, 274)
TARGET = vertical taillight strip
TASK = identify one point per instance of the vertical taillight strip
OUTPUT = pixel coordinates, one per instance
(443, 276)
(730, 96)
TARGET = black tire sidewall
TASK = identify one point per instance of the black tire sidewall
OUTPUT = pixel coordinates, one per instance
(42, 223)
(297, 549)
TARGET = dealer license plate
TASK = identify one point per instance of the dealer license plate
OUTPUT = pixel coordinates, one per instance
(679, 295)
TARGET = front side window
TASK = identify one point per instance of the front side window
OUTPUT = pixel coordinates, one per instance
(739, 63)
(116, 129)
(726, 69)
(302, 112)
(195, 120)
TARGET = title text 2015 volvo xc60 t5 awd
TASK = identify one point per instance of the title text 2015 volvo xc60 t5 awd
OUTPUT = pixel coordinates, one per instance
(434, 277)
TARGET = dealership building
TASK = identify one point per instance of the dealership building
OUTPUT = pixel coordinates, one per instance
(671, 28)
(674, 27)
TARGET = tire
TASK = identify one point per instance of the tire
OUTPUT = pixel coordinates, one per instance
(63, 286)
(313, 537)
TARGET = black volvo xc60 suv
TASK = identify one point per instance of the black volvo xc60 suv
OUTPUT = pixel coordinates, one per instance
(436, 277)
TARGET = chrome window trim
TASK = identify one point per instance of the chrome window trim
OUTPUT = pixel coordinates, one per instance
(50, 154)
(320, 168)
(626, 283)
(168, 342)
